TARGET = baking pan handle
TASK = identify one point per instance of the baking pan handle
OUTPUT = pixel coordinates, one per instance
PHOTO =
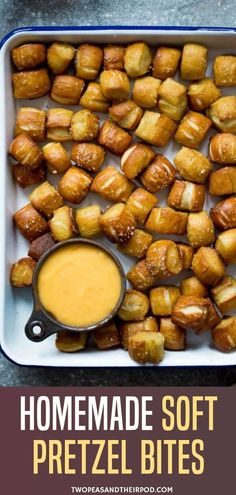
(39, 327)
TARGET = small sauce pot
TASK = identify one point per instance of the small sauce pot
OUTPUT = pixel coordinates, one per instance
(41, 323)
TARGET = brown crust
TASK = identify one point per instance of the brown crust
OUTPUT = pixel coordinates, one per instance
(74, 185)
(202, 94)
(127, 114)
(192, 129)
(31, 84)
(107, 336)
(115, 85)
(186, 196)
(57, 157)
(159, 175)
(25, 177)
(117, 223)
(134, 307)
(163, 259)
(113, 57)
(114, 138)
(112, 185)
(135, 159)
(208, 266)
(224, 334)
(223, 214)
(59, 56)
(46, 199)
(21, 273)
(127, 329)
(175, 337)
(224, 294)
(163, 299)
(155, 129)
(138, 245)
(191, 312)
(25, 151)
(165, 220)
(29, 55)
(165, 62)
(200, 229)
(223, 181)
(84, 126)
(140, 276)
(93, 98)
(193, 62)
(88, 156)
(32, 121)
(222, 148)
(88, 61)
(40, 245)
(224, 68)
(192, 165)
(30, 223)
(140, 204)
(67, 90)
(226, 245)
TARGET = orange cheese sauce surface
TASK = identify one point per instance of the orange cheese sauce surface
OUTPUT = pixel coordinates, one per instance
(79, 285)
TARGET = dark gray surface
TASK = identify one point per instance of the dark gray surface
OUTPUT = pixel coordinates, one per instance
(14, 14)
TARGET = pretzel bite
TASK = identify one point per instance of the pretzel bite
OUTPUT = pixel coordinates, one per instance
(224, 294)
(191, 312)
(202, 94)
(93, 98)
(25, 151)
(74, 185)
(69, 341)
(165, 220)
(127, 114)
(32, 121)
(186, 255)
(163, 299)
(21, 274)
(192, 129)
(224, 68)
(163, 259)
(67, 90)
(165, 62)
(173, 99)
(155, 128)
(127, 329)
(191, 286)
(89, 156)
(88, 61)
(112, 185)
(25, 177)
(186, 196)
(87, 220)
(46, 199)
(140, 276)
(226, 245)
(140, 204)
(62, 224)
(117, 223)
(115, 85)
(223, 114)
(57, 157)
(145, 91)
(223, 214)
(223, 181)
(107, 336)
(146, 347)
(222, 148)
(114, 138)
(192, 165)
(134, 307)
(29, 55)
(175, 337)
(30, 223)
(84, 126)
(113, 57)
(200, 229)
(138, 58)
(58, 124)
(59, 57)
(40, 246)
(31, 84)
(193, 62)
(159, 175)
(208, 266)
(224, 334)
(138, 245)
(135, 159)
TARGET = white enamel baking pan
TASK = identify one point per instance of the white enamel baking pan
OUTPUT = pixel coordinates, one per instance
(16, 305)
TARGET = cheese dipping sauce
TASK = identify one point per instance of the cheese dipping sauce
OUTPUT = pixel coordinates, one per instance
(79, 285)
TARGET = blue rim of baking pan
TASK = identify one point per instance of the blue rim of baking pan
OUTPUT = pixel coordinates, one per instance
(31, 29)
